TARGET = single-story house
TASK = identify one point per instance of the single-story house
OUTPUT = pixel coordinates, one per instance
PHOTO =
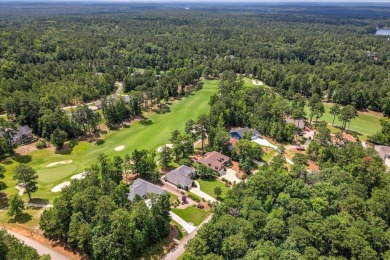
(182, 177)
(21, 135)
(239, 133)
(383, 151)
(349, 138)
(299, 123)
(215, 161)
(143, 188)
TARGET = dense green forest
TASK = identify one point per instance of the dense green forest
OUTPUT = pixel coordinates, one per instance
(52, 61)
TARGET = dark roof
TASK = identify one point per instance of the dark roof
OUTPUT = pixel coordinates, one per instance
(214, 160)
(143, 188)
(182, 176)
(22, 131)
(241, 131)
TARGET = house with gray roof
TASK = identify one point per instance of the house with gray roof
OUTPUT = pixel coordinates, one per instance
(143, 188)
(239, 133)
(215, 161)
(383, 151)
(299, 123)
(182, 177)
(21, 135)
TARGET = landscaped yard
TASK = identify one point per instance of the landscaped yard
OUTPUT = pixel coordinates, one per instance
(137, 136)
(208, 185)
(366, 123)
(268, 156)
(173, 197)
(192, 214)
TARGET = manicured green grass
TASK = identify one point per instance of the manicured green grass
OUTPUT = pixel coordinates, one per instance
(138, 136)
(173, 197)
(268, 156)
(366, 123)
(208, 186)
(192, 214)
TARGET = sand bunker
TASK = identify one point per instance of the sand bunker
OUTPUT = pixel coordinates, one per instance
(119, 148)
(60, 186)
(161, 147)
(257, 82)
(58, 163)
(79, 176)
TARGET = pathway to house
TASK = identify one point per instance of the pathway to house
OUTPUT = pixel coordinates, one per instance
(176, 191)
(230, 175)
(196, 190)
(119, 89)
(41, 249)
(36, 205)
(179, 250)
(265, 142)
(187, 226)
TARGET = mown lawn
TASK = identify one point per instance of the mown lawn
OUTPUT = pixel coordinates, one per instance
(192, 214)
(208, 186)
(366, 123)
(173, 197)
(137, 136)
(268, 156)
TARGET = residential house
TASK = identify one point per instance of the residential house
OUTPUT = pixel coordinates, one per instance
(21, 135)
(182, 177)
(299, 123)
(239, 133)
(349, 138)
(232, 143)
(215, 161)
(143, 188)
(383, 151)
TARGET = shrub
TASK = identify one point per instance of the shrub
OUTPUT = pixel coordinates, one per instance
(41, 144)
(193, 197)
(100, 142)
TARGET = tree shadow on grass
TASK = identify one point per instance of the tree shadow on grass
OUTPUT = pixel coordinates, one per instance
(39, 201)
(23, 218)
(23, 158)
(3, 199)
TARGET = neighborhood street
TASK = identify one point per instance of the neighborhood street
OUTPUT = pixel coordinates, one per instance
(41, 249)
(179, 250)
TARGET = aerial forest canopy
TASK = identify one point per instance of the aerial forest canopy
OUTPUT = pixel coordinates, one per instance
(50, 61)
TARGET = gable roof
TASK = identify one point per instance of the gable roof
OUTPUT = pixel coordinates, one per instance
(349, 138)
(242, 131)
(181, 176)
(142, 188)
(214, 160)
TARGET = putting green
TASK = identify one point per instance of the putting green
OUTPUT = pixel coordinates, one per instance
(138, 136)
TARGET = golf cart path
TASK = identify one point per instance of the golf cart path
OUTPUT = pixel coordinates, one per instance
(187, 226)
(41, 249)
(179, 249)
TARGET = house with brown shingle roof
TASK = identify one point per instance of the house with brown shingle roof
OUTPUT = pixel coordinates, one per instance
(215, 161)
(349, 138)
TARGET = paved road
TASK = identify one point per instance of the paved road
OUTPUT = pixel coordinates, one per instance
(41, 249)
(187, 226)
(179, 250)
(119, 89)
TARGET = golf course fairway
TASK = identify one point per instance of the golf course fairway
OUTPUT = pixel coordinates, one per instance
(137, 136)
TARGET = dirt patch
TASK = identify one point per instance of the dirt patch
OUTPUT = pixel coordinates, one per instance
(27, 148)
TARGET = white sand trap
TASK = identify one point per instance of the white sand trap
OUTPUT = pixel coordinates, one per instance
(161, 147)
(257, 82)
(79, 176)
(119, 148)
(58, 163)
(60, 186)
